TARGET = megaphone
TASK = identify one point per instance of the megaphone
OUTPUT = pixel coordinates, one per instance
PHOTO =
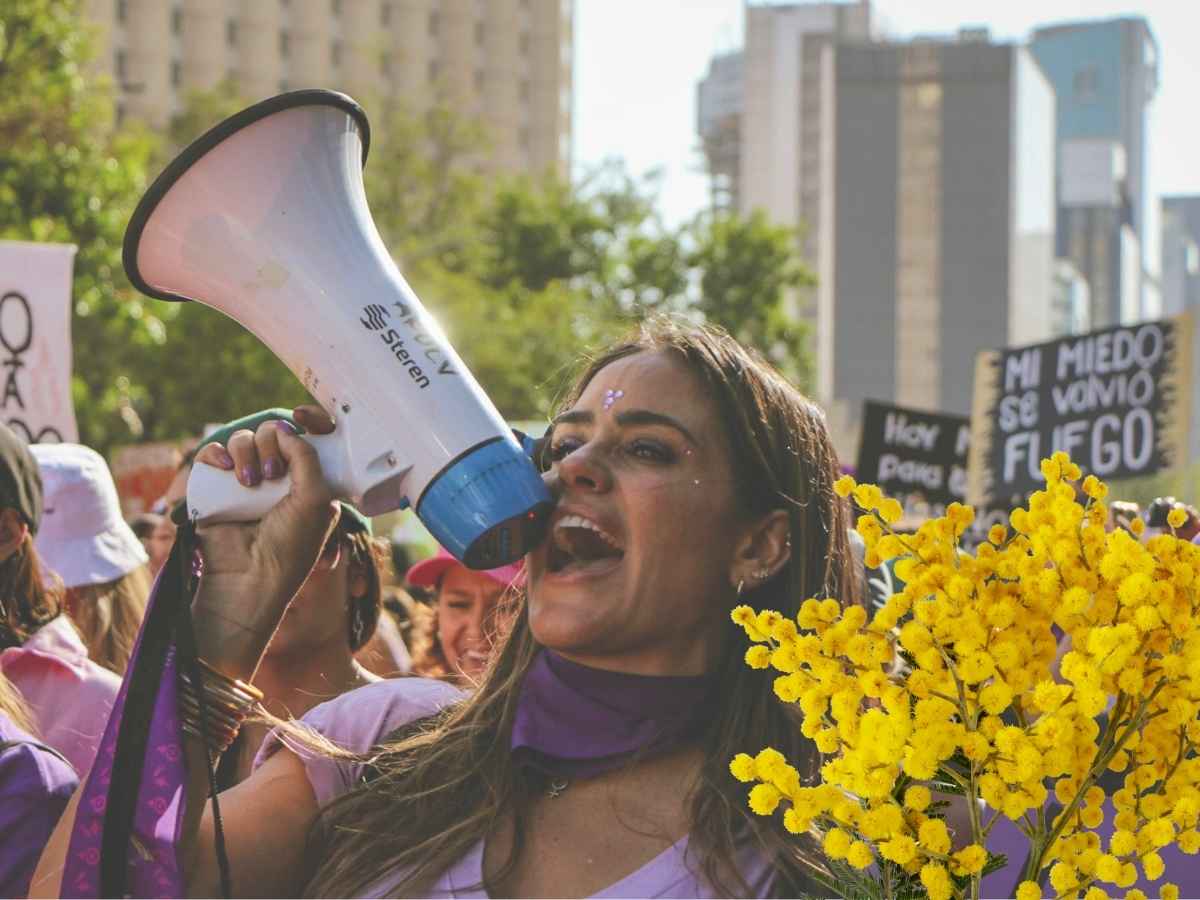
(265, 219)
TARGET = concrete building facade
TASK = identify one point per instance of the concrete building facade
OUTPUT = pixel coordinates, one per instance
(760, 115)
(504, 63)
(937, 220)
(1180, 254)
(719, 105)
(1105, 75)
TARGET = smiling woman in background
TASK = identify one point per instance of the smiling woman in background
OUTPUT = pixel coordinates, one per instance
(455, 641)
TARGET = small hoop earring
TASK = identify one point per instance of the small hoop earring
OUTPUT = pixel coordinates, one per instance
(741, 584)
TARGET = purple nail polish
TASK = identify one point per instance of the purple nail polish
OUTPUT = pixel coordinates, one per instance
(250, 476)
(285, 425)
(224, 460)
(272, 468)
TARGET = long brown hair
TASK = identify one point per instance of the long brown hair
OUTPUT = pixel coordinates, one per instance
(108, 617)
(28, 598)
(12, 705)
(428, 657)
(441, 789)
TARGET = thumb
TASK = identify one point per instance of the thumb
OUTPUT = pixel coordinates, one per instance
(309, 487)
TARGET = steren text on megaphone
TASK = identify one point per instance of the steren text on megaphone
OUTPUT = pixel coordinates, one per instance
(377, 318)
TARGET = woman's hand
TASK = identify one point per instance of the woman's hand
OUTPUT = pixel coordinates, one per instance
(252, 570)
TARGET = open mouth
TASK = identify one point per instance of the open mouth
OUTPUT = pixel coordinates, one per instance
(578, 544)
(473, 659)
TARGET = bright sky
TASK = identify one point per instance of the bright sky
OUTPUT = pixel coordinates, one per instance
(638, 62)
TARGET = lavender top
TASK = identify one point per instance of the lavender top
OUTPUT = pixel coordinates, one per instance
(70, 696)
(360, 719)
(35, 786)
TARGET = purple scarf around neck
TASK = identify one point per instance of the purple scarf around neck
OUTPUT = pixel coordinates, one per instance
(574, 721)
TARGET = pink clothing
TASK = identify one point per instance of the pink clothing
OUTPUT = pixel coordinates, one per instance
(360, 719)
(70, 696)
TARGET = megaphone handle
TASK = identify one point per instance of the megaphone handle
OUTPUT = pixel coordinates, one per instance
(215, 495)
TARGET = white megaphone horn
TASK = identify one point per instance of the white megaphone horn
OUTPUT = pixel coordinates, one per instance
(265, 218)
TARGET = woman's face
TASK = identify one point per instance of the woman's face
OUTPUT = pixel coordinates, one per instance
(466, 607)
(636, 572)
(159, 542)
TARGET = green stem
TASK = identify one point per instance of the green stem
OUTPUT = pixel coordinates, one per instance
(977, 833)
(1037, 857)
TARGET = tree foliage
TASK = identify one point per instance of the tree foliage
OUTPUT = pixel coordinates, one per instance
(747, 268)
(67, 176)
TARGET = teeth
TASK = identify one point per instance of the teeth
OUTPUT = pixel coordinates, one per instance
(580, 522)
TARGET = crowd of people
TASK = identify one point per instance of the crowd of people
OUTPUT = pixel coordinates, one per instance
(559, 727)
(76, 578)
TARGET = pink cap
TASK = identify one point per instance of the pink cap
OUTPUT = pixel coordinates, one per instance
(429, 572)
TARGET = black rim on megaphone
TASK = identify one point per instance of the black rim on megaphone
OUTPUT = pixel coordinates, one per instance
(197, 148)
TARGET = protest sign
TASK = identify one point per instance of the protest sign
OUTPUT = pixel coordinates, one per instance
(1118, 400)
(909, 452)
(920, 458)
(35, 340)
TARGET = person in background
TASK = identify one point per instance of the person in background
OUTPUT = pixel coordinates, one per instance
(157, 534)
(1156, 519)
(1121, 514)
(84, 541)
(41, 653)
(35, 784)
(455, 641)
(311, 657)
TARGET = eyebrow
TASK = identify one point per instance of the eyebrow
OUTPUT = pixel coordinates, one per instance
(626, 418)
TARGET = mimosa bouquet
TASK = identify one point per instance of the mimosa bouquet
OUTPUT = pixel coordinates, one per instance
(1015, 678)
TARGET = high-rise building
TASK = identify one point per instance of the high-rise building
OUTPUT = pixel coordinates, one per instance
(1105, 74)
(1180, 254)
(937, 220)
(504, 63)
(1070, 301)
(760, 114)
(719, 106)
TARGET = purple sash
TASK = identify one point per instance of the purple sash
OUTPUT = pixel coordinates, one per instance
(152, 869)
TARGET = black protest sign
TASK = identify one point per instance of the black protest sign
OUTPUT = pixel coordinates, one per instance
(912, 453)
(1118, 400)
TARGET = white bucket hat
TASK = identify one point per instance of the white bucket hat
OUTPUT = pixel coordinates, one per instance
(83, 536)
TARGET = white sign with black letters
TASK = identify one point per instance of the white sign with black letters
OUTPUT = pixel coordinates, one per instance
(35, 340)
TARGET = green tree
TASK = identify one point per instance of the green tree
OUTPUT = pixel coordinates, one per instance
(746, 269)
(425, 196)
(201, 110)
(67, 176)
